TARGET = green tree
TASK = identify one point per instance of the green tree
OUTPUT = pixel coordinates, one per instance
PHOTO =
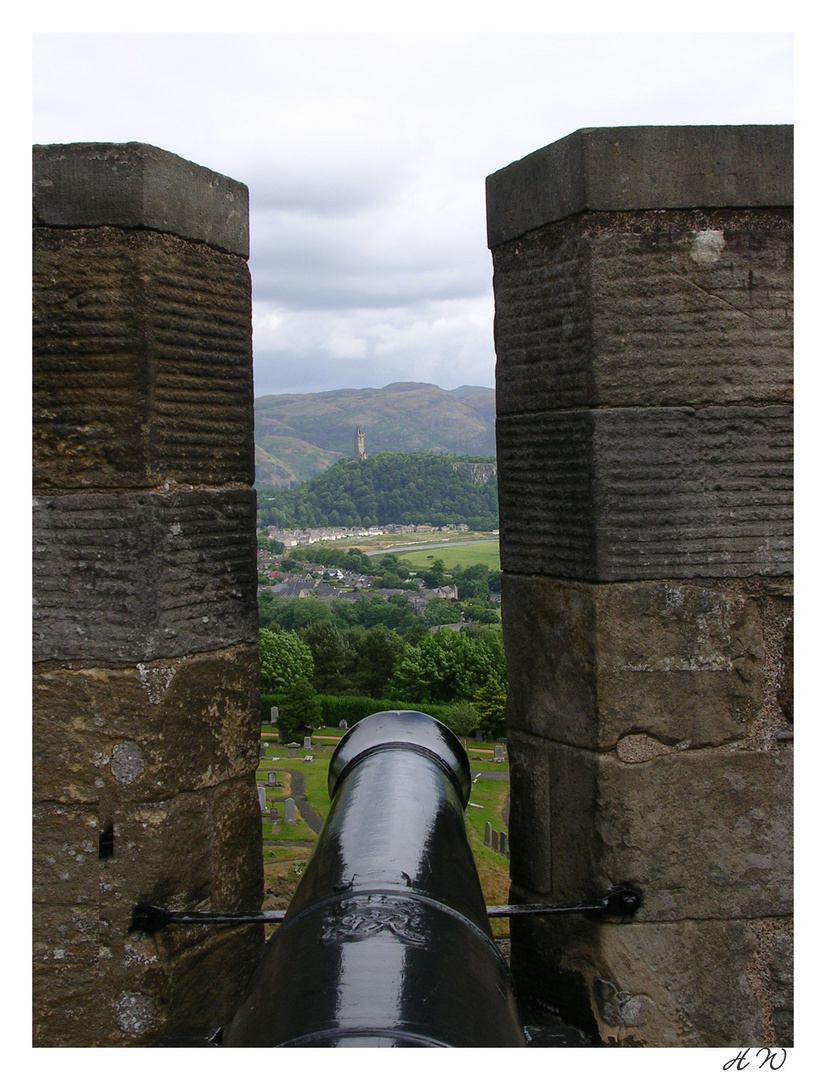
(377, 652)
(461, 717)
(473, 582)
(489, 702)
(434, 575)
(284, 660)
(442, 666)
(329, 655)
(299, 711)
(439, 611)
(482, 611)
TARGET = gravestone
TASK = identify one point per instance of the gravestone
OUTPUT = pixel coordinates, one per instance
(270, 779)
(498, 753)
(487, 834)
(503, 843)
(343, 725)
(292, 749)
(273, 715)
(274, 815)
(262, 799)
(494, 839)
(310, 757)
(308, 742)
(289, 811)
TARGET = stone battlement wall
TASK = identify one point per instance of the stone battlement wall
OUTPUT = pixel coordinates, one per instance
(145, 628)
(643, 286)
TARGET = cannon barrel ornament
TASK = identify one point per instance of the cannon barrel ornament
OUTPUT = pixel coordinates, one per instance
(387, 940)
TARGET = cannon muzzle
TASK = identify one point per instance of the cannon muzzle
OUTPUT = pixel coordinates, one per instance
(387, 941)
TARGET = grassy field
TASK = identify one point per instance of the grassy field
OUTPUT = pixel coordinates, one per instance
(288, 848)
(394, 540)
(454, 554)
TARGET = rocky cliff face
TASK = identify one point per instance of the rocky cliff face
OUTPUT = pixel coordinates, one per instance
(480, 471)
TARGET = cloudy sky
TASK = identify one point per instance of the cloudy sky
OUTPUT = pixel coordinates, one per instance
(366, 155)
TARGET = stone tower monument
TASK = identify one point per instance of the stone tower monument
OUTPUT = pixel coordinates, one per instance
(358, 444)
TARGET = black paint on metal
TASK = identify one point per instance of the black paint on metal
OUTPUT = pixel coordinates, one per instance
(622, 900)
(386, 941)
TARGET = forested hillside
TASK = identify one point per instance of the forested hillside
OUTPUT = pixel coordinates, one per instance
(418, 489)
(299, 435)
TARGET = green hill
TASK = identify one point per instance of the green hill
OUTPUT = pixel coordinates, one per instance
(300, 435)
(435, 489)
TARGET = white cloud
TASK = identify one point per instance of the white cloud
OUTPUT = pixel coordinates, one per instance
(366, 156)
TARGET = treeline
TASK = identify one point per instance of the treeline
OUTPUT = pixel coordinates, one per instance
(377, 649)
(412, 488)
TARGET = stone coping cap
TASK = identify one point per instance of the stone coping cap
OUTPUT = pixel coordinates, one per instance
(642, 168)
(137, 186)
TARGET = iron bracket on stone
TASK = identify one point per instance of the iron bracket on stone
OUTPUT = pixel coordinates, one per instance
(149, 918)
(621, 900)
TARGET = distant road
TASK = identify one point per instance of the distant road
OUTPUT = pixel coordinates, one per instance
(423, 547)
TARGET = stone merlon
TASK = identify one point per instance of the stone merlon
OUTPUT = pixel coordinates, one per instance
(642, 168)
(137, 186)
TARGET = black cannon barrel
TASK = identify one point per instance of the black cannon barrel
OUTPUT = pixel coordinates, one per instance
(387, 940)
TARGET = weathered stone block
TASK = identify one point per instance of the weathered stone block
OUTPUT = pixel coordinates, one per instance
(63, 934)
(631, 310)
(142, 370)
(237, 862)
(148, 731)
(162, 854)
(137, 186)
(529, 822)
(703, 834)
(624, 494)
(197, 997)
(68, 1001)
(137, 576)
(65, 855)
(636, 168)
(689, 984)
(599, 665)
(781, 981)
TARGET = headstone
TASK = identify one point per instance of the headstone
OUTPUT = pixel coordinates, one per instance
(487, 834)
(503, 843)
(479, 736)
(271, 779)
(273, 714)
(308, 742)
(494, 839)
(262, 799)
(343, 725)
(310, 757)
(289, 811)
(266, 745)
(274, 815)
(292, 749)
(498, 753)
